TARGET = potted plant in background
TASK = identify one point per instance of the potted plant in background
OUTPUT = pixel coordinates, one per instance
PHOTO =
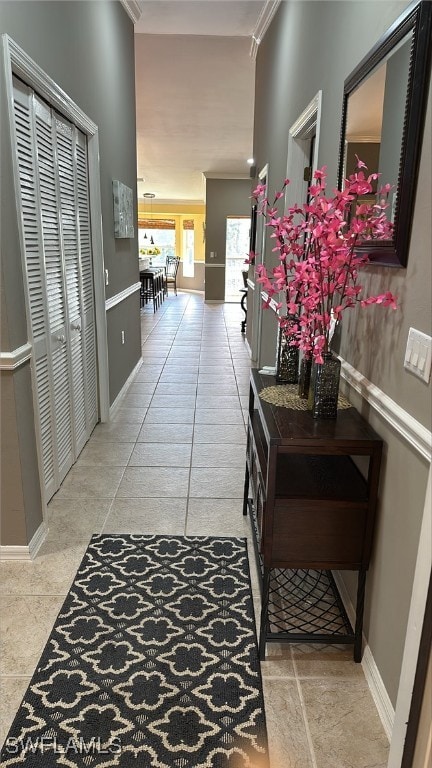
(317, 277)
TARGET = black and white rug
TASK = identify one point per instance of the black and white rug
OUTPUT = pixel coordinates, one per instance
(152, 662)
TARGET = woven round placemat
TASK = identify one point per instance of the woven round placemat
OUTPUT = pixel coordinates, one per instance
(286, 396)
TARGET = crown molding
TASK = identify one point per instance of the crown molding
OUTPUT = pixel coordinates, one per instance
(263, 24)
(133, 9)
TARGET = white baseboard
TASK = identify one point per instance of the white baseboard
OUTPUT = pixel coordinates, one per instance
(185, 289)
(29, 552)
(119, 397)
(370, 669)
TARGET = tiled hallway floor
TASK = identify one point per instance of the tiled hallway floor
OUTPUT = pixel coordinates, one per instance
(172, 462)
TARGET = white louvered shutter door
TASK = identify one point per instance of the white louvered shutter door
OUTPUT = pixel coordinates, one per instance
(55, 284)
(87, 291)
(36, 283)
(53, 179)
(65, 155)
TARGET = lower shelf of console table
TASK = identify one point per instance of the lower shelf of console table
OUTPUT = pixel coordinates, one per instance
(303, 605)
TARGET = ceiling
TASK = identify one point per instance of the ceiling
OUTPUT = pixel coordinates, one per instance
(231, 18)
(195, 81)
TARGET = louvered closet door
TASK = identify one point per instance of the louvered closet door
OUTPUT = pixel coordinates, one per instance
(36, 282)
(53, 175)
(46, 175)
(65, 156)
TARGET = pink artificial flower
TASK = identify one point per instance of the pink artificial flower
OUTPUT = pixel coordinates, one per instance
(318, 267)
(385, 189)
(320, 173)
(360, 163)
(259, 190)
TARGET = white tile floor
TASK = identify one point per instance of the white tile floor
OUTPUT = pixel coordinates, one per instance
(172, 462)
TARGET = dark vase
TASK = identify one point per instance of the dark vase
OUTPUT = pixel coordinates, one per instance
(324, 387)
(305, 377)
(287, 368)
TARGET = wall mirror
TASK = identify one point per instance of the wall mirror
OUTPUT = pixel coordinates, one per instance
(383, 114)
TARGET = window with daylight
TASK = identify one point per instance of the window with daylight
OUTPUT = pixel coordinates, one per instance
(188, 248)
(162, 232)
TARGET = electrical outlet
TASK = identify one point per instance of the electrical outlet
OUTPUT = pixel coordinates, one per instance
(418, 354)
(106, 277)
(122, 337)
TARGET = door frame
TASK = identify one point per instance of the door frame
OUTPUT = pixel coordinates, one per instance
(15, 61)
(299, 137)
(259, 259)
(298, 154)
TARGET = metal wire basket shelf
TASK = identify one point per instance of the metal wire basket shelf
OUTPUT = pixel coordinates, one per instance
(306, 603)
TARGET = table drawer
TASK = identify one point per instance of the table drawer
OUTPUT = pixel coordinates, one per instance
(314, 535)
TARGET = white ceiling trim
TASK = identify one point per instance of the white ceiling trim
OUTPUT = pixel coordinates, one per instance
(263, 24)
(133, 8)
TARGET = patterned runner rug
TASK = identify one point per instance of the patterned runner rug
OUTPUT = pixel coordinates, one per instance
(152, 662)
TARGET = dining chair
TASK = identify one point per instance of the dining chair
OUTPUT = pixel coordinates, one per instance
(171, 269)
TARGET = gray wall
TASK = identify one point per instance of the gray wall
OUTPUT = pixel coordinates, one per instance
(87, 48)
(224, 197)
(289, 74)
(195, 283)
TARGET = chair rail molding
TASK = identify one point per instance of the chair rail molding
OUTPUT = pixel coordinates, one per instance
(122, 295)
(418, 436)
(9, 361)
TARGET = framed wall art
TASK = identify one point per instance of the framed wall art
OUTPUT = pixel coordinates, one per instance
(123, 210)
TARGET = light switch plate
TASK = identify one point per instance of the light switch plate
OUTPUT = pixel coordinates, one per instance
(418, 354)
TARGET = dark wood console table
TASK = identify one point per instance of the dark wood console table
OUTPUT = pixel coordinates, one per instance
(311, 490)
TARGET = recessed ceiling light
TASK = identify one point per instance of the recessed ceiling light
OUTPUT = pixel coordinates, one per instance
(149, 195)
(250, 161)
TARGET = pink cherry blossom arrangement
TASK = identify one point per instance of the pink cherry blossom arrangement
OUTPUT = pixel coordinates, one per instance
(319, 264)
